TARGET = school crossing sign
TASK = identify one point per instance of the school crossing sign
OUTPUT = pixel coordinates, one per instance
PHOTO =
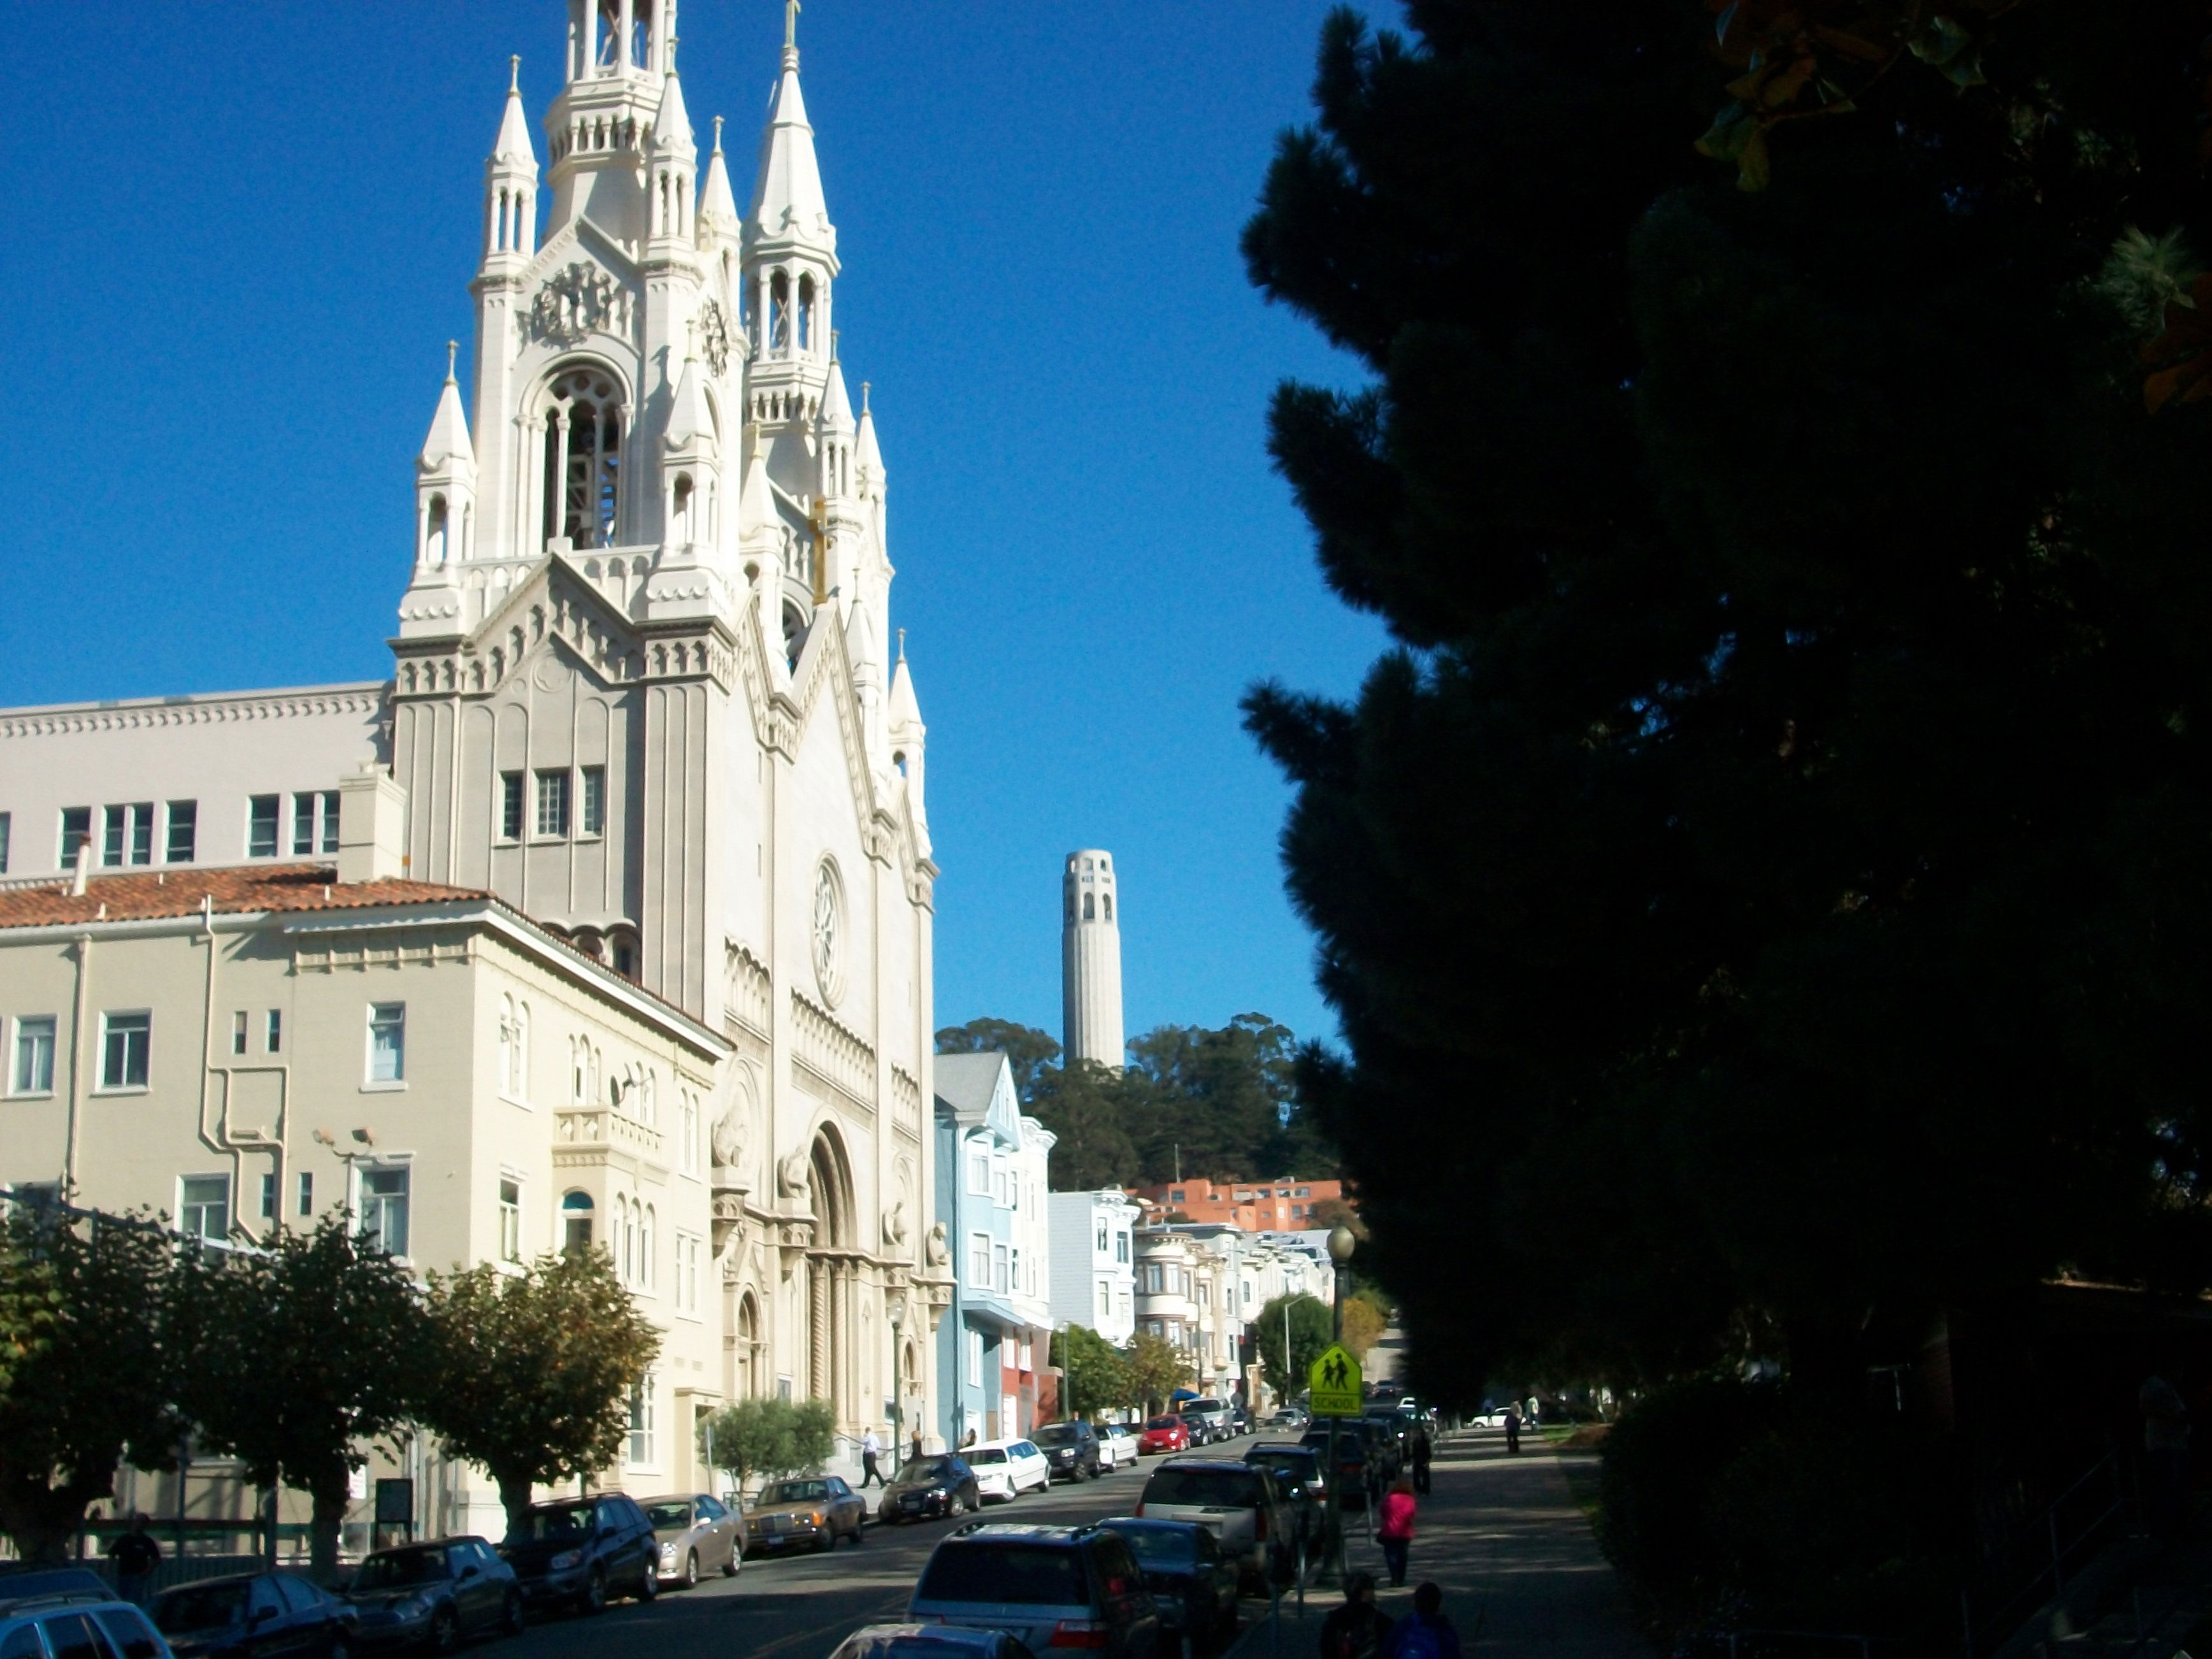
(1332, 1384)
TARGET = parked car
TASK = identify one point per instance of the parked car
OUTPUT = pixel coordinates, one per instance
(1071, 1449)
(1304, 1487)
(256, 1615)
(1208, 1421)
(1050, 1586)
(1238, 1502)
(1006, 1469)
(577, 1551)
(1290, 1417)
(929, 1641)
(941, 1484)
(1353, 1476)
(77, 1615)
(1117, 1445)
(1164, 1434)
(1193, 1585)
(811, 1511)
(434, 1595)
(696, 1533)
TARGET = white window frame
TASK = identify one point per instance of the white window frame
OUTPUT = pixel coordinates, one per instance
(379, 1016)
(998, 1278)
(363, 1170)
(975, 1357)
(689, 1254)
(23, 1080)
(107, 1017)
(641, 1449)
(979, 1171)
(510, 1246)
(979, 1260)
(185, 1207)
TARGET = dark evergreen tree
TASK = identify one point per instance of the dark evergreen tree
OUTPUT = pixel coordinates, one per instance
(1767, 879)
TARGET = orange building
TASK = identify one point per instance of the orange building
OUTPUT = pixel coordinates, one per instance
(1284, 1205)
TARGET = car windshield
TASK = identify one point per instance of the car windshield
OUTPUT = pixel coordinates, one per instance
(986, 1454)
(401, 1567)
(553, 1522)
(665, 1517)
(1030, 1574)
(1288, 1466)
(200, 1607)
(1225, 1488)
(795, 1492)
(1165, 1423)
(926, 1468)
(1058, 1434)
(1157, 1546)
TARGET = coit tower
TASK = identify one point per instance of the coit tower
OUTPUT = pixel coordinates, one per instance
(1090, 961)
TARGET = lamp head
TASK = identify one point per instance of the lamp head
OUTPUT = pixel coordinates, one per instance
(898, 1314)
(1341, 1243)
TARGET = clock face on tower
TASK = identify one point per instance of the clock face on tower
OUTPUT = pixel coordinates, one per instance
(829, 934)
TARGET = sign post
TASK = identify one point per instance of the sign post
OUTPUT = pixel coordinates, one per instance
(1333, 1391)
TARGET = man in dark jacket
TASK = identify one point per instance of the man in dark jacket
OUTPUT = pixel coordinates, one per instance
(1423, 1633)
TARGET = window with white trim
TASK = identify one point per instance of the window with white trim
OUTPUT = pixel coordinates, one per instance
(979, 1172)
(33, 1073)
(184, 839)
(979, 1260)
(387, 1043)
(126, 1041)
(510, 1218)
(314, 822)
(689, 1251)
(553, 803)
(974, 1358)
(203, 1207)
(642, 1449)
(594, 821)
(385, 1191)
(127, 834)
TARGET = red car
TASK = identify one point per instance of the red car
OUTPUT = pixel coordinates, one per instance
(1164, 1434)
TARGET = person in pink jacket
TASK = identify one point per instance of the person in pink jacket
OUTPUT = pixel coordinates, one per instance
(1395, 1527)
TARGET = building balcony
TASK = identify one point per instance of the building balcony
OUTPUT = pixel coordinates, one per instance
(585, 1136)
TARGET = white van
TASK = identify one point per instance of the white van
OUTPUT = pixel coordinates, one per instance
(1005, 1469)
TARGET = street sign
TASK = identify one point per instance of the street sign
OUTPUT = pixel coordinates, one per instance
(1334, 1383)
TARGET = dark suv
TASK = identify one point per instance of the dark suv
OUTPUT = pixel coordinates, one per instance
(1071, 1449)
(579, 1551)
(1052, 1587)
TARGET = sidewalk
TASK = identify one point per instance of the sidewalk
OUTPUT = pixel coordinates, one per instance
(1503, 1539)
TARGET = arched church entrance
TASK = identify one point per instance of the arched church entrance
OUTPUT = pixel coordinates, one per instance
(831, 1280)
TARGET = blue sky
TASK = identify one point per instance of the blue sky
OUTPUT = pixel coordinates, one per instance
(243, 235)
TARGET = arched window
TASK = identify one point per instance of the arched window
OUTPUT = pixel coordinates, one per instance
(645, 1229)
(779, 313)
(583, 458)
(576, 1222)
(805, 314)
(795, 636)
(522, 1051)
(436, 548)
(1107, 899)
(682, 531)
(1090, 908)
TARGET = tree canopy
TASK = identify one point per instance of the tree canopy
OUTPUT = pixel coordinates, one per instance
(1206, 1102)
(1776, 840)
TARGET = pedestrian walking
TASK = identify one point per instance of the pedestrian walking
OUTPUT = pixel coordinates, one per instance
(1394, 1529)
(1513, 1428)
(914, 1448)
(1423, 1633)
(135, 1555)
(1359, 1628)
(1421, 1463)
(871, 1449)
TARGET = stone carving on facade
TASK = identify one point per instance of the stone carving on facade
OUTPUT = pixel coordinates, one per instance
(793, 1177)
(715, 336)
(937, 1250)
(728, 1142)
(895, 1224)
(578, 302)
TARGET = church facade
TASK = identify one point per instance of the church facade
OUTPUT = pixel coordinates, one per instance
(646, 693)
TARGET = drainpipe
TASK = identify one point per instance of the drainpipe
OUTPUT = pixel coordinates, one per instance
(81, 948)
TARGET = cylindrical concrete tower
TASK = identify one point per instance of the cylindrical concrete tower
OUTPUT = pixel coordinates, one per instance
(1090, 961)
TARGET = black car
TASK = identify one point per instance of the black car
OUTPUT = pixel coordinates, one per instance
(1299, 1477)
(434, 1595)
(255, 1615)
(577, 1551)
(927, 1487)
(1071, 1449)
(1354, 1476)
(1193, 1585)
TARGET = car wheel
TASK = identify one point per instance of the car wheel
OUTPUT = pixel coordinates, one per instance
(445, 1631)
(510, 1617)
(860, 1529)
(736, 1560)
(648, 1580)
(594, 1599)
(690, 1579)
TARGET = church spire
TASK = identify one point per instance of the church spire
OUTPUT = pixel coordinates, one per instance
(511, 183)
(787, 200)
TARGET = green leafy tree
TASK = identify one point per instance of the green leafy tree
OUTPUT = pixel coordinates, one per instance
(759, 1440)
(1088, 1107)
(85, 1367)
(1775, 842)
(1030, 1051)
(300, 1349)
(1309, 1325)
(1156, 1367)
(1094, 1373)
(534, 1370)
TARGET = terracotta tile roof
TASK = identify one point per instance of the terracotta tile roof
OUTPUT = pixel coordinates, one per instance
(141, 895)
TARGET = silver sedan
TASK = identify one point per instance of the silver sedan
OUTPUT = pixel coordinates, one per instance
(694, 1534)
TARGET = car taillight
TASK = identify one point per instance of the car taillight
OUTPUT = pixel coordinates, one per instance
(1140, 1509)
(1079, 1633)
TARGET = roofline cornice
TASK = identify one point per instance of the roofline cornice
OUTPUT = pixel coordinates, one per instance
(361, 697)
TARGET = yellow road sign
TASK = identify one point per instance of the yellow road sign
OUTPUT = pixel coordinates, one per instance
(1334, 1383)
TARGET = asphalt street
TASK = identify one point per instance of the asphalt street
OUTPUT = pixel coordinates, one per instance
(800, 1607)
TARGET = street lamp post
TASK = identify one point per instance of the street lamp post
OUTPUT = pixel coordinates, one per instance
(1341, 1243)
(899, 1385)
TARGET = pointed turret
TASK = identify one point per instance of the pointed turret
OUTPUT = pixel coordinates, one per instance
(690, 420)
(718, 206)
(672, 126)
(867, 460)
(448, 440)
(513, 145)
(787, 200)
(444, 484)
(511, 186)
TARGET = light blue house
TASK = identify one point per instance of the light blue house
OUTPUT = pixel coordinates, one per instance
(993, 1344)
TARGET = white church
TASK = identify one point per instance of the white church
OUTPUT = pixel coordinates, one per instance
(608, 915)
